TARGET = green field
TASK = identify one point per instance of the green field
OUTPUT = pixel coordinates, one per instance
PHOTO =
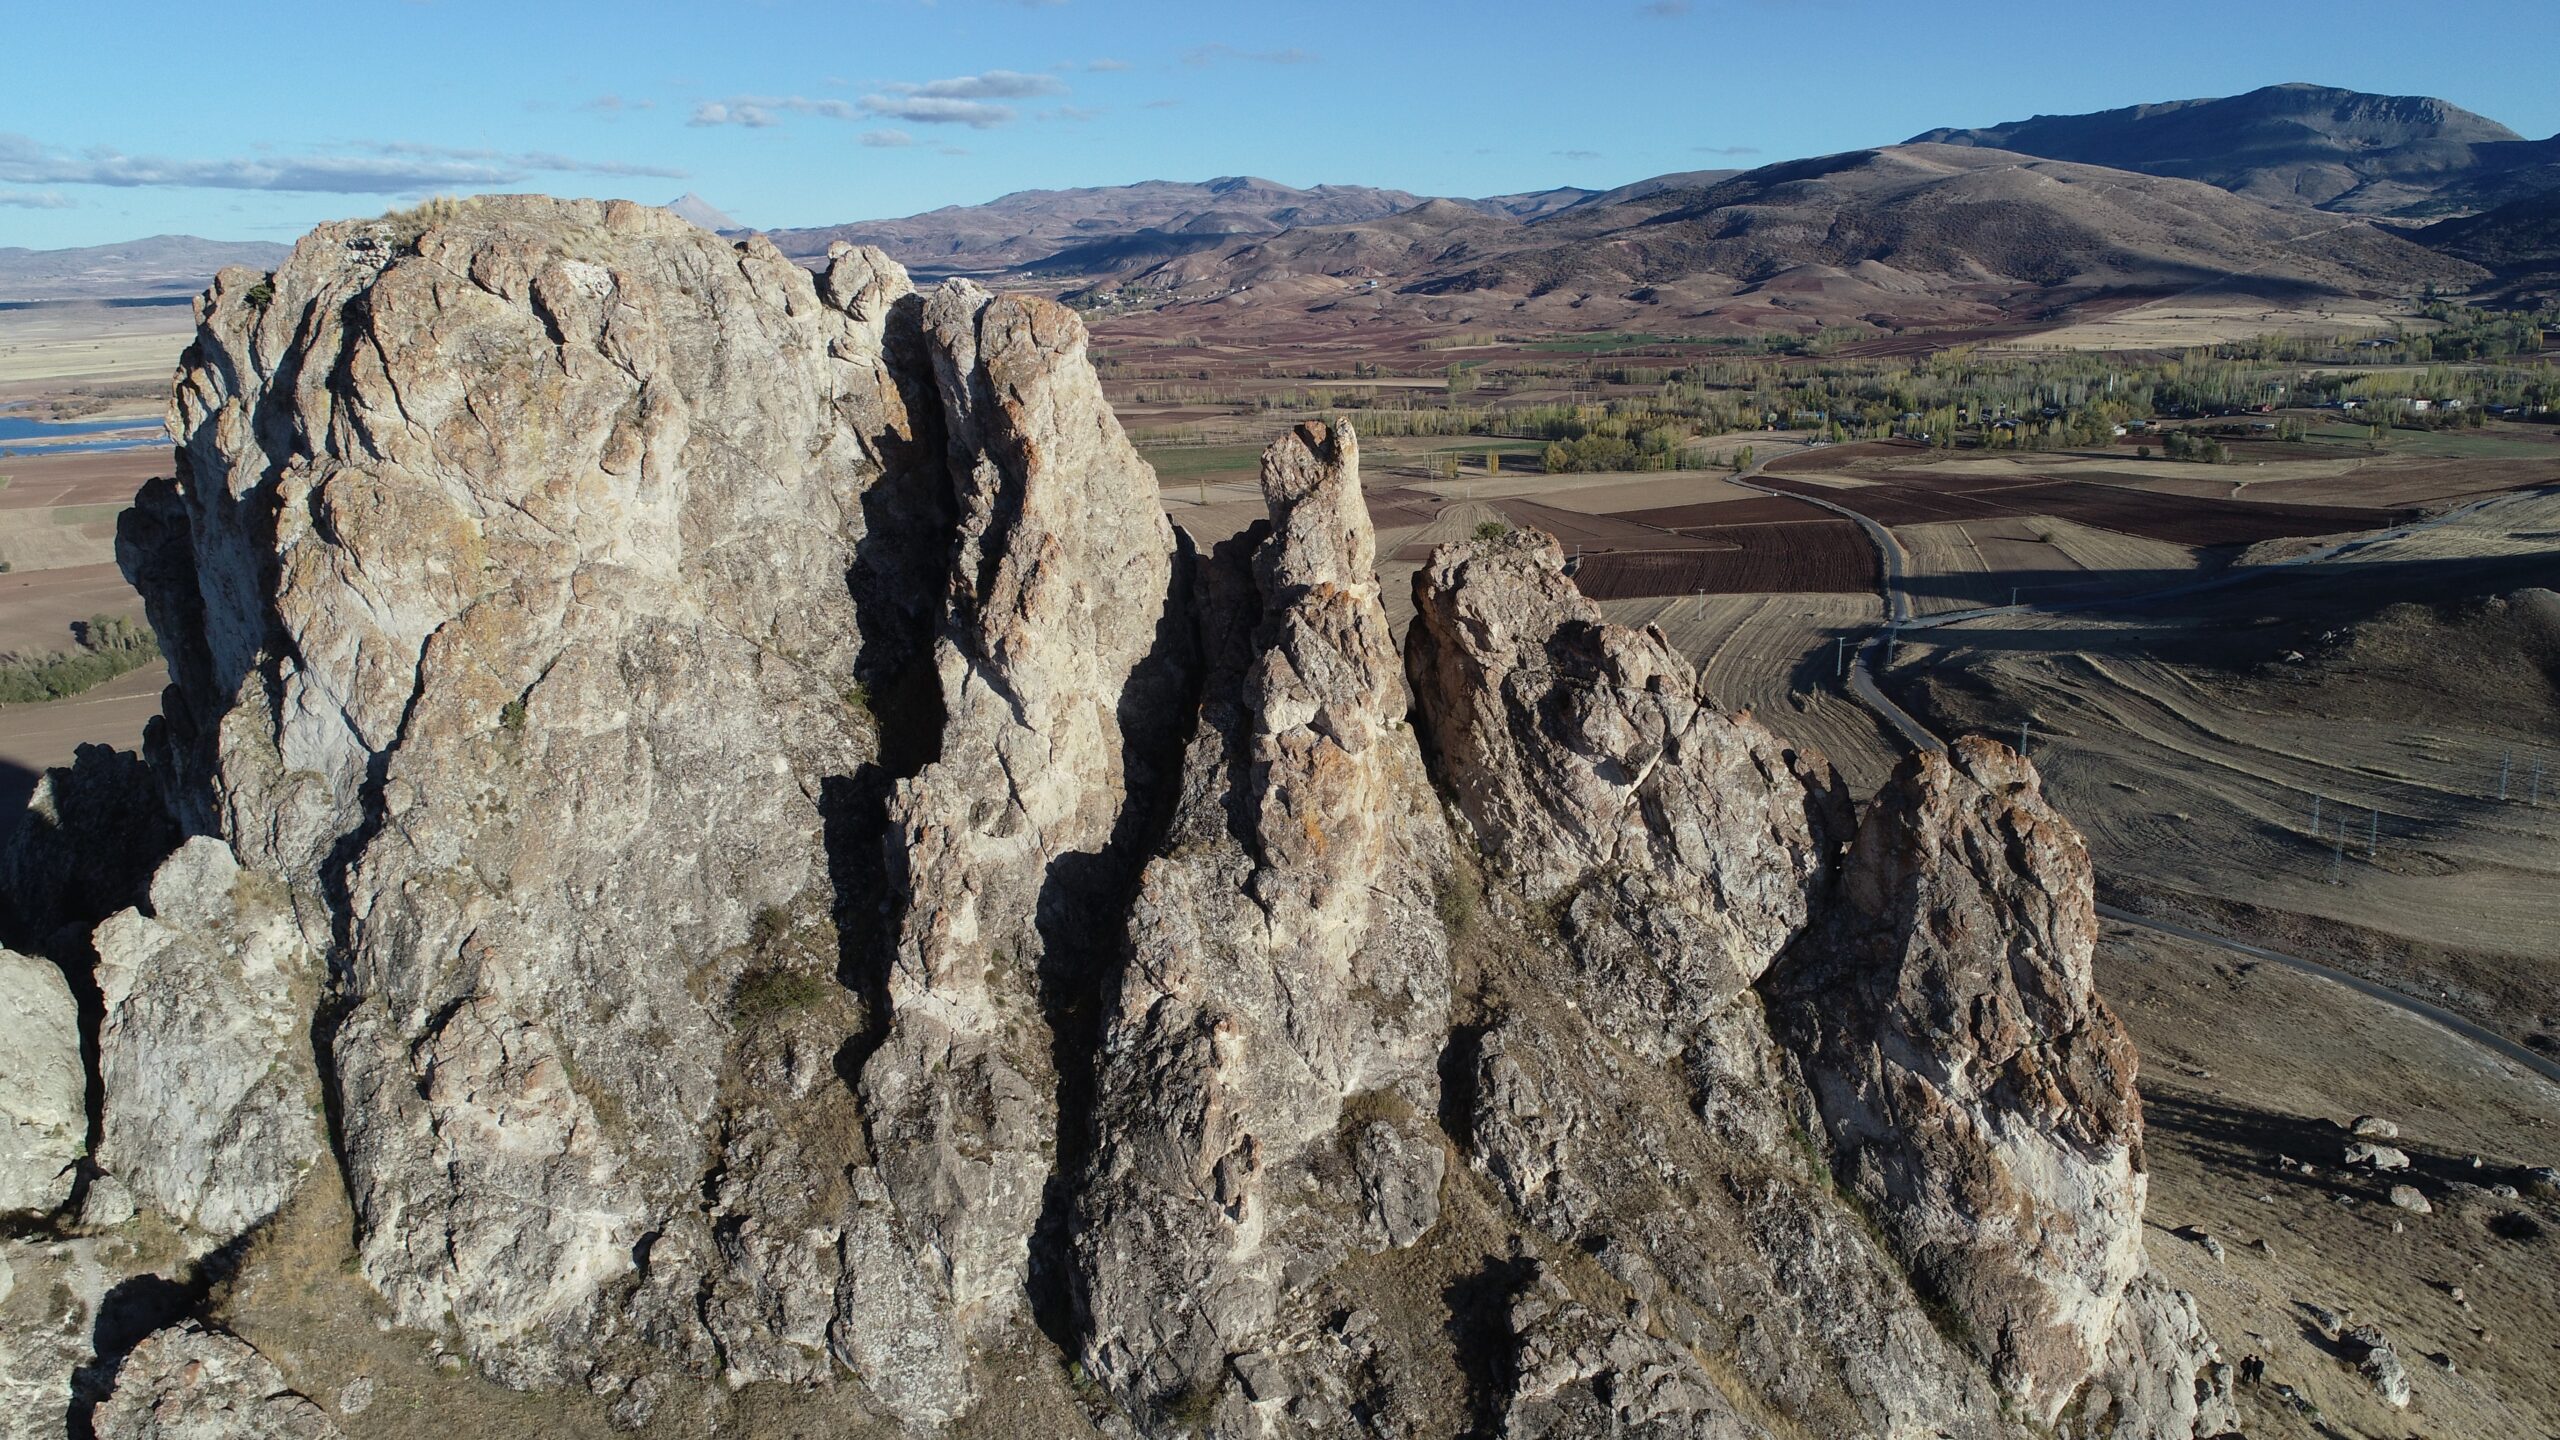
(1202, 462)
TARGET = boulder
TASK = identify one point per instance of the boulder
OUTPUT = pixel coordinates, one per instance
(2378, 1157)
(212, 1099)
(44, 1117)
(1585, 1376)
(194, 1383)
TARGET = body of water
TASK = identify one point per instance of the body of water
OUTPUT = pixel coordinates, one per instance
(18, 428)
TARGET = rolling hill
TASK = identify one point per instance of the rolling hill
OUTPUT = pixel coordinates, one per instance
(1871, 233)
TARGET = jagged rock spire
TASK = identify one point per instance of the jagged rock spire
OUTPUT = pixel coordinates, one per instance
(1266, 1072)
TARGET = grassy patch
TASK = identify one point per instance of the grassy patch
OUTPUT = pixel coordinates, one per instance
(1196, 462)
(109, 646)
(772, 994)
(83, 514)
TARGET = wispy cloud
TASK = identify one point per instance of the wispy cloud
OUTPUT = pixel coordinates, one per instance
(550, 161)
(1726, 149)
(1665, 9)
(1212, 54)
(756, 112)
(992, 85)
(377, 168)
(937, 110)
(887, 139)
(1575, 154)
(34, 200)
(1071, 112)
(615, 104)
(1105, 67)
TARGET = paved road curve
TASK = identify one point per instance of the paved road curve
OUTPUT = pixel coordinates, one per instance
(1918, 736)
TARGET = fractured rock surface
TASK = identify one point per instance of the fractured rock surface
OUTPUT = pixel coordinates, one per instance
(1681, 848)
(1061, 666)
(212, 1106)
(44, 1122)
(191, 1383)
(1978, 1094)
(1267, 1070)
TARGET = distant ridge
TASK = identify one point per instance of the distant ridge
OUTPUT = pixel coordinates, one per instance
(1028, 227)
(2292, 144)
(130, 269)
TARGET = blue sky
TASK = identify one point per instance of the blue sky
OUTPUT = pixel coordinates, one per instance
(254, 121)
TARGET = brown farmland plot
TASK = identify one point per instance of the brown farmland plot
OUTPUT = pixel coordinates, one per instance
(1822, 556)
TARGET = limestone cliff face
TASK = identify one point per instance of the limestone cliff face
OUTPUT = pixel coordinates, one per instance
(1061, 660)
(1267, 1066)
(718, 808)
(1681, 849)
(1979, 1096)
(517, 580)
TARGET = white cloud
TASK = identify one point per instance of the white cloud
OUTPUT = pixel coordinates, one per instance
(992, 85)
(33, 200)
(379, 168)
(756, 112)
(887, 139)
(935, 110)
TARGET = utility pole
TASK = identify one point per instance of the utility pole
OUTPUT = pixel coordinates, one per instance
(2372, 834)
(1840, 667)
(2536, 801)
(2505, 763)
(2022, 737)
(2315, 817)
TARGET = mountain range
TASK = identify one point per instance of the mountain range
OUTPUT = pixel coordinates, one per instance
(1953, 223)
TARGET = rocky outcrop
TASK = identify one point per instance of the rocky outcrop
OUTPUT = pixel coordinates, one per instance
(1061, 663)
(523, 576)
(2162, 1377)
(1662, 855)
(1584, 1376)
(723, 811)
(191, 1383)
(44, 1119)
(1978, 1095)
(212, 1105)
(1678, 849)
(1266, 1079)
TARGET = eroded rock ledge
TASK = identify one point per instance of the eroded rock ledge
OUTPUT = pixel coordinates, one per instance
(721, 812)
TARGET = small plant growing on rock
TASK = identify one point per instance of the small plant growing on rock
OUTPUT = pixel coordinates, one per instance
(772, 994)
(511, 717)
(1492, 530)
